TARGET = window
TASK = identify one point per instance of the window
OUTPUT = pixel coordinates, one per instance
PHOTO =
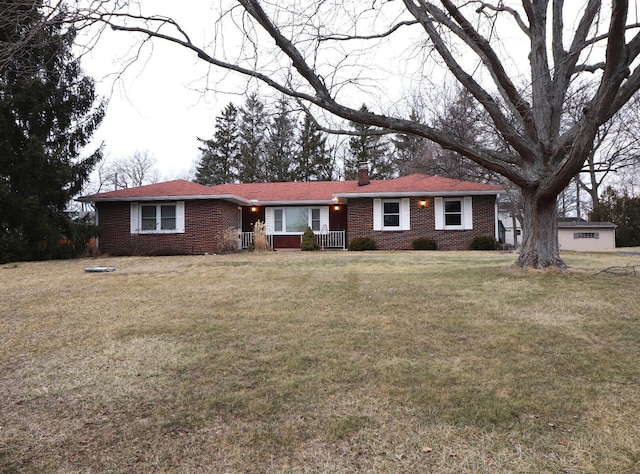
(586, 235)
(157, 218)
(148, 218)
(453, 212)
(315, 219)
(168, 217)
(390, 214)
(295, 220)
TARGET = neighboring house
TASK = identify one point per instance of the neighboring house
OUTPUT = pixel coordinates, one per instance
(512, 233)
(185, 217)
(581, 235)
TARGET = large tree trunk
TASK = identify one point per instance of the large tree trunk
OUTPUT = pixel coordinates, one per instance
(540, 247)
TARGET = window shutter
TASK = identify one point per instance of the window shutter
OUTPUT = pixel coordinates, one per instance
(180, 216)
(438, 208)
(405, 220)
(324, 217)
(377, 214)
(269, 220)
(467, 213)
(134, 219)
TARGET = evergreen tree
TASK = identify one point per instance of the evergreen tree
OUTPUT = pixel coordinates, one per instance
(413, 153)
(253, 125)
(313, 162)
(280, 145)
(47, 115)
(624, 211)
(220, 159)
(369, 147)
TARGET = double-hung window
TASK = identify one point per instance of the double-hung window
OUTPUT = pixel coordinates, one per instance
(455, 213)
(391, 214)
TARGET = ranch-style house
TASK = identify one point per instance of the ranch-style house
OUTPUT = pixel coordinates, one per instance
(189, 218)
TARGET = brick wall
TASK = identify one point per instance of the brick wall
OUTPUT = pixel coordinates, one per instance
(360, 219)
(204, 222)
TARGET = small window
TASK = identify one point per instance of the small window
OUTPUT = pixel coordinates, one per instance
(391, 214)
(453, 212)
(278, 221)
(168, 217)
(586, 235)
(315, 220)
(148, 218)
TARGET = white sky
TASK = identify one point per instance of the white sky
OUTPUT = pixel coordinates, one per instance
(154, 106)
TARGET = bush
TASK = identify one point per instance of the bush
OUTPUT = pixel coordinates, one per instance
(484, 242)
(260, 241)
(362, 243)
(229, 241)
(424, 243)
(309, 240)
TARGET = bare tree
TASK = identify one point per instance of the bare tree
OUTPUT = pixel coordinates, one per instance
(322, 53)
(135, 170)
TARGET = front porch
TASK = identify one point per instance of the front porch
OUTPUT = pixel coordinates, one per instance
(333, 240)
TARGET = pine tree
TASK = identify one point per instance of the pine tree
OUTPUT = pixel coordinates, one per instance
(624, 211)
(48, 113)
(313, 162)
(253, 125)
(280, 144)
(368, 146)
(413, 154)
(220, 157)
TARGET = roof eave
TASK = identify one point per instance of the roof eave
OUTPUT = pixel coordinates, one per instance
(226, 197)
(421, 193)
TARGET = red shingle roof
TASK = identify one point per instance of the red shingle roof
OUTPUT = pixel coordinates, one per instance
(292, 192)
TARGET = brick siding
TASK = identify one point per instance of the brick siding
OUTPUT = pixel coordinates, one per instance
(206, 221)
(360, 219)
(204, 224)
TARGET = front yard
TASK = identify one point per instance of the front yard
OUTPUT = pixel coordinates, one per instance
(402, 362)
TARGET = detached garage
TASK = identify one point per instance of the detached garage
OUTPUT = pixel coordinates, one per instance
(586, 235)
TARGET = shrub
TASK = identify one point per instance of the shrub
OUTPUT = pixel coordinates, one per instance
(309, 240)
(424, 243)
(260, 242)
(229, 241)
(484, 242)
(362, 243)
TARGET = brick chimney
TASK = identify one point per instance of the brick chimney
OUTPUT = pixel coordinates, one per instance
(363, 174)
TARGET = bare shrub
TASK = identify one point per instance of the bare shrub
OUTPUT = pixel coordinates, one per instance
(229, 241)
(260, 242)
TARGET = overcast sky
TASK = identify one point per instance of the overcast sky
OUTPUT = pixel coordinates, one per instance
(155, 105)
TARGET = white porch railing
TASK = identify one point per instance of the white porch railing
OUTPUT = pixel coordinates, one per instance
(334, 239)
(246, 240)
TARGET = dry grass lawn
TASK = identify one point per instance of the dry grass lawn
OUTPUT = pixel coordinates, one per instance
(393, 362)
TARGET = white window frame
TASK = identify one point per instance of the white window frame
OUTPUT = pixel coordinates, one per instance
(586, 235)
(270, 220)
(444, 210)
(466, 206)
(378, 214)
(136, 217)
